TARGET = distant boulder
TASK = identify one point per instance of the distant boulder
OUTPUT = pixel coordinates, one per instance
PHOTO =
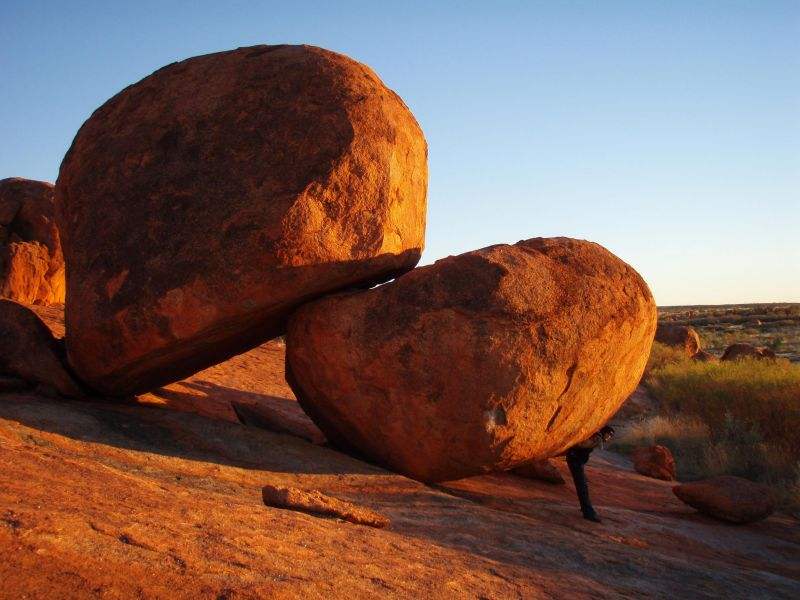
(728, 498)
(742, 350)
(680, 336)
(542, 470)
(31, 262)
(654, 461)
(477, 363)
(204, 203)
(703, 356)
(28, 351)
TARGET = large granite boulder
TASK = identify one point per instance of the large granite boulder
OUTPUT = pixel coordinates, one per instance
(728, 498)
(679, 336)
(31, 262)
(28, 351)
(202, 204)
(480, 362)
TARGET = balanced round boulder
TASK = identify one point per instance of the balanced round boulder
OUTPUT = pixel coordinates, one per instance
(654, 461)
(679, 336)
(200, 205)
(480, 362)
(31, 262)
(741, 350)
(28, 351)
(728, 498)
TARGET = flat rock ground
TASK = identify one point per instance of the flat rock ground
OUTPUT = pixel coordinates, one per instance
(161, 498)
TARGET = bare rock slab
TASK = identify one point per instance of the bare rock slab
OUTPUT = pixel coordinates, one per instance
(31, 261)
(477, 363)
(317, 503)
(202, 204)
(28, 351)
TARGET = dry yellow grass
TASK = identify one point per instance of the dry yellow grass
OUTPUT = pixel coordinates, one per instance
(739, 418)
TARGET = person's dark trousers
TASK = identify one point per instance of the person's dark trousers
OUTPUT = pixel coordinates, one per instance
(576, 459)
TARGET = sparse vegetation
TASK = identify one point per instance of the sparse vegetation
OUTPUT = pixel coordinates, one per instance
(738, 418)
(776, 326)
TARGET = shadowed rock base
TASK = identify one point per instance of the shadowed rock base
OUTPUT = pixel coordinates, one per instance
(29, 351)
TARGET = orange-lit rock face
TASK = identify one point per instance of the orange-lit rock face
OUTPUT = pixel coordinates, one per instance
(202, 204)
(479, 362)
(31, 263)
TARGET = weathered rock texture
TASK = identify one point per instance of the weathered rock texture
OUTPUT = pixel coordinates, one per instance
(679, 336)
(741, 351)
(29, 351)
(654, 461)
(199, 206)
(31, 262)
(728, 498)
(317, 503)
(479, 362)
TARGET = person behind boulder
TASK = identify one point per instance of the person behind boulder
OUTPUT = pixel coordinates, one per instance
(577, 457)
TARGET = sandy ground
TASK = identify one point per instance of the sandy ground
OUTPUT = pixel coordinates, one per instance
(162, 499)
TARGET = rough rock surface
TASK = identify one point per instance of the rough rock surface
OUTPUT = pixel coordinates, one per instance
(317, 503)
(543, 470)
(654, 461)
(110, 501)
(31, 262)
(742, 350)
(200, 205)
(477, 363)
(680, 336)
(728, 498)
(29, 351)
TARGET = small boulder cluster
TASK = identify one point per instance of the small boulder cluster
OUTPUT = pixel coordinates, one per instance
(687, 338)
(237, 196)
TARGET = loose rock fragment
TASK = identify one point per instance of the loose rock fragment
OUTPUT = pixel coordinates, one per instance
(654, 461)
(728, 498)
(317, 503)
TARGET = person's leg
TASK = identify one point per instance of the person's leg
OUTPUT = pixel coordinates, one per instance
(576, 461)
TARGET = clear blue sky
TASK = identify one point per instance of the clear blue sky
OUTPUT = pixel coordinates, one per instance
(667, 131)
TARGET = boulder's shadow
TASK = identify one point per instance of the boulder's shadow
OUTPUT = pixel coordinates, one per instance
(180, 433)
